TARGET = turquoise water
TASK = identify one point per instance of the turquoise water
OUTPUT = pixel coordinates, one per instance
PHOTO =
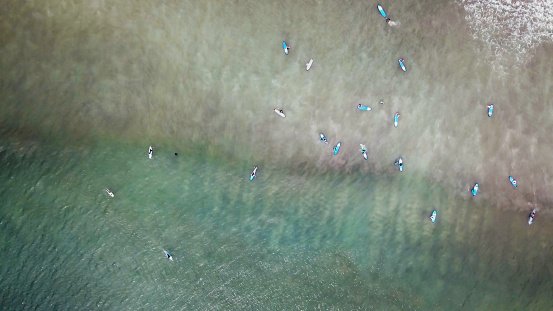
(87, 86)
(287, 240)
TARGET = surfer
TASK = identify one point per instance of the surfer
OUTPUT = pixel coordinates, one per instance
(168, 255)
(254, 172)
(110, 193)
(364, 107)
(364, 151)
(532, 215)
(490, 110)
(280, 112)
(150, 152)
(396, 119)
(400, 163)
(323, 138)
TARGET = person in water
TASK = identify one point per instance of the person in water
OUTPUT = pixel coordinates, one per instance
(388, 20)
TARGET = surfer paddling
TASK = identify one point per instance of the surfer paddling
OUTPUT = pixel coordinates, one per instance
(110, 193)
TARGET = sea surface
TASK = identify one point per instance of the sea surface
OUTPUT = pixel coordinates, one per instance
(87, 86)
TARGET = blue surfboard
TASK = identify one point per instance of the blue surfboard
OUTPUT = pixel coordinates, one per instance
(381, 10)
(396, 119)
(337, 148)
(490, 110)
(285, 47)
(433, 217)
(475, 189)
(402, 65)
(513, 181)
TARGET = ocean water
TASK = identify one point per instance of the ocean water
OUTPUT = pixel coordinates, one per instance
(87, 87)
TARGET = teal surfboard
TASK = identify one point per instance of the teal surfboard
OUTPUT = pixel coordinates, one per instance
(381, 10)
(402, 65)
(337, 148)
(285, 47)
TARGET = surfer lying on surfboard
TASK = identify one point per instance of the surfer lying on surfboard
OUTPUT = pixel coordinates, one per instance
(254, 173)
(364, 151)
(364, 107)
(490, 110)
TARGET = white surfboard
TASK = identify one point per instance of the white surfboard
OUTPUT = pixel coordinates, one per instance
(110, 193)
(280, 112)
(150, 152)
(308, 65)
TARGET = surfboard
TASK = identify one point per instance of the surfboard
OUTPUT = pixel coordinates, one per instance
(474, 189)
(337, 148)
(513, 181)
(323, 138)
(150, 152)
(254, 172)
(400, 164)
(433, 217)
(490, 110)
(308, 65)
(532, 215)
(110, 193)
(285, 47)
(361, 107)
(280, 112)
(396, 119)
(402, 65)
(381, 10)
(364, 151)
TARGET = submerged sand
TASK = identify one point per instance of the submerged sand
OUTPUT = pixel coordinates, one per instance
(211, 73)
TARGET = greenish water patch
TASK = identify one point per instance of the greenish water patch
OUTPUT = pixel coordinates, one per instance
(284, 241)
